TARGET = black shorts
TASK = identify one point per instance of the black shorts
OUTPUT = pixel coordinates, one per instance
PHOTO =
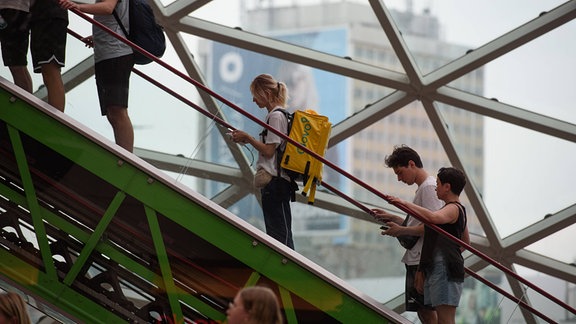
(15, 37)
(113, 81)
(48, 42)
(413, 300)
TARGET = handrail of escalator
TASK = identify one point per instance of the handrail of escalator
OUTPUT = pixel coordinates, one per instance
(143, 75)
(469, 271)
(314, 154)
(518, 301)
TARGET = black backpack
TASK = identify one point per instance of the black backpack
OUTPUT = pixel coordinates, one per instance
(144, 31)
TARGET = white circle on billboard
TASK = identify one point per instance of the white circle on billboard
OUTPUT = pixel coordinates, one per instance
(231, 67)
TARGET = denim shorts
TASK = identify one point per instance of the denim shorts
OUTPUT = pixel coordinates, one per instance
(438, 290)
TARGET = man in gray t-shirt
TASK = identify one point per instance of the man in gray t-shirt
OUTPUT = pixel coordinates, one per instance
(408, 167)
(113, 62)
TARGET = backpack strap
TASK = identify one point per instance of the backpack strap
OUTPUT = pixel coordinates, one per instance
(264, 133)
(265, 130)
(293, 184)
(120, 22)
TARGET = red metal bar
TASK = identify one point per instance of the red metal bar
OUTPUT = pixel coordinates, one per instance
(485, 257)
(510, 296)
(323, 160)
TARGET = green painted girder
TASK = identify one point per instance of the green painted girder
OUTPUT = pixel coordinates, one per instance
(121, 217)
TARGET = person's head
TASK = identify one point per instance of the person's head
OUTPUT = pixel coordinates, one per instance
(406, 164)
(13, 309)
(267, 92)
(452, 177)
(254, 305)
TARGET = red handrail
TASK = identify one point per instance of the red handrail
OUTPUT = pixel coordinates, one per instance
(315, 155)
(510, 296)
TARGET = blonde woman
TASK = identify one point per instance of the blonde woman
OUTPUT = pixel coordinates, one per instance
(273, 182)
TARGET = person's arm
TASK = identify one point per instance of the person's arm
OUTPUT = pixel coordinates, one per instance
(105, 7)
(419, 282)
(446, 215)
(267, 150)
(383, 216)
(277, 121)
(396, 230)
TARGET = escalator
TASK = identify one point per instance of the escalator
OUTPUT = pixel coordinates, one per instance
(101, 236)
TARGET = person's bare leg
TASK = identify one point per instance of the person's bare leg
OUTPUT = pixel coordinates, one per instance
(53, 82)
(122, 126)
(446, 314)
(21, 77)
(427, 316)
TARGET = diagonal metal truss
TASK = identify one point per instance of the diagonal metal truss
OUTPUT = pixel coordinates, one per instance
(430, 89)
(98, 236)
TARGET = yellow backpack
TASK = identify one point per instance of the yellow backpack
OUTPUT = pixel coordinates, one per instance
(312, 131)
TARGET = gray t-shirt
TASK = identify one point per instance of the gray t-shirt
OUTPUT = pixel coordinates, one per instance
(22, 5)
(107, 46)
(427, 198)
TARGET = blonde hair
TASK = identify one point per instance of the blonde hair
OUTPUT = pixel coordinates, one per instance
(266, 88)
(14, 308)
(261, 305)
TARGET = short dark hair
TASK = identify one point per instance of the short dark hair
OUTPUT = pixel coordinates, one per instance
(401, 156)
(454, 177)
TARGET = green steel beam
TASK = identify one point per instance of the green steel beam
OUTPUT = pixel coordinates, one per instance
(113, 253)
(286, 300)
(168, 281)
(36, 282)
(94, 238)
(157, 197)
(32, 201)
